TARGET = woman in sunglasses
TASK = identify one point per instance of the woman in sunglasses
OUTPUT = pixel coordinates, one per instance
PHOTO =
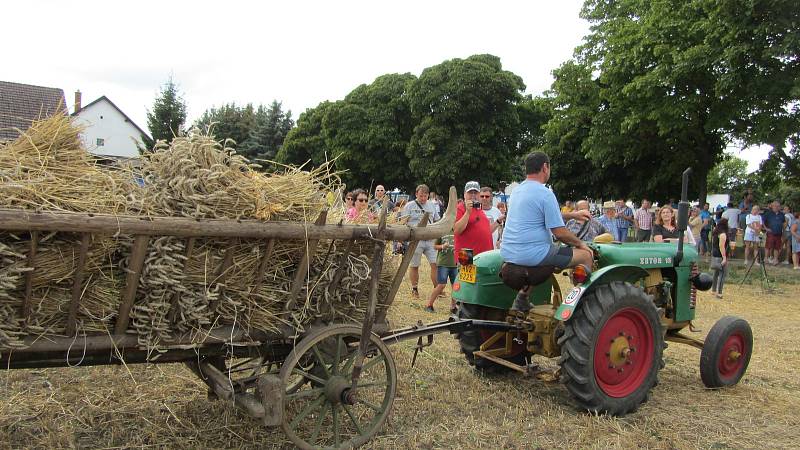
(360, 213)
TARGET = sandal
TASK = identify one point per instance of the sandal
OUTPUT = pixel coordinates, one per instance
(415, 292)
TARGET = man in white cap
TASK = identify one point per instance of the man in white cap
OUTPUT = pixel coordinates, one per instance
(472, 229)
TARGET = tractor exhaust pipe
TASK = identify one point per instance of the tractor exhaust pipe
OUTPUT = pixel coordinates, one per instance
(683, 214)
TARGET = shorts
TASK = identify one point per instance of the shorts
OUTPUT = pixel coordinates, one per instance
(443, 273)
(732, 236)
(558, 256)
(425, 247)
(774, 241)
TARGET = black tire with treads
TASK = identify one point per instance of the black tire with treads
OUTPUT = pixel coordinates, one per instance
(605, 315)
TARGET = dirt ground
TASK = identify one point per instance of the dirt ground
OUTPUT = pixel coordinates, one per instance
(441, 402)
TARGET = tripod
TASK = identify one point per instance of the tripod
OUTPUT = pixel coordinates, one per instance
(766, 284)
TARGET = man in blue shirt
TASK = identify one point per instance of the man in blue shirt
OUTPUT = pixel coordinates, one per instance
(624, 219)
(533, 219)
(609, 221)
(774, 221)
(705, 216)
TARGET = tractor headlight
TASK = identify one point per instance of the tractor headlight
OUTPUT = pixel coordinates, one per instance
(702, 281)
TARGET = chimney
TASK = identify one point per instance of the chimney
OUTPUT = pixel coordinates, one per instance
(77, 101)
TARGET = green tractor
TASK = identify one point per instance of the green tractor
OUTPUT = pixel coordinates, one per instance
(610, 330)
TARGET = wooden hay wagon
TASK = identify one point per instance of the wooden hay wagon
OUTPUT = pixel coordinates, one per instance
(329, 383)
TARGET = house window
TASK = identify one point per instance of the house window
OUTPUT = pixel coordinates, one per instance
(101, 142)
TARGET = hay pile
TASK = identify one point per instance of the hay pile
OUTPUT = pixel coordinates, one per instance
(193, 176)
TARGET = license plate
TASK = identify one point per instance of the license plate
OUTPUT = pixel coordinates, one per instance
(467, 273)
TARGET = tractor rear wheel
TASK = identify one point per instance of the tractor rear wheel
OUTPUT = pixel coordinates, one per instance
(726, 352)
(472, 339)
(611, 350)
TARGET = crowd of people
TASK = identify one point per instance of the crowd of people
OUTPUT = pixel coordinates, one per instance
(527, 237)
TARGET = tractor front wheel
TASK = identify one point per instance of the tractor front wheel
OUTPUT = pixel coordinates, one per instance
(726, 352)
(611, 350)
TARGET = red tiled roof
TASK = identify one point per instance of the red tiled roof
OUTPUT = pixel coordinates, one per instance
(20, 104)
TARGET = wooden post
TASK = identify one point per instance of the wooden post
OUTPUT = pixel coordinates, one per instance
(31, 263)
(173, 308)
(138, 254)
(369, 317)
(77, 285)
(262, 266)
(305, 262)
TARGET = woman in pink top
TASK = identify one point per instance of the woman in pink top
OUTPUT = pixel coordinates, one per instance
(361, 212)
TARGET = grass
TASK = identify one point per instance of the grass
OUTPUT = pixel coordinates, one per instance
(441, 402)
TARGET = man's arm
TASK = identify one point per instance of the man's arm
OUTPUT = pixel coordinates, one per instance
(461, 223)
(565, 236)
(577, 215)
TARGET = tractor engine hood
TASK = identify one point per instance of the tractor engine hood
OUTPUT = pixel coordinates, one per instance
(645, 254)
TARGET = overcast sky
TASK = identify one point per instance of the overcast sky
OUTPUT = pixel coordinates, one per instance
(299, 52)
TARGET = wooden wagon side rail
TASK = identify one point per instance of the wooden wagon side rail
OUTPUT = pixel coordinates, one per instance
(21, 220)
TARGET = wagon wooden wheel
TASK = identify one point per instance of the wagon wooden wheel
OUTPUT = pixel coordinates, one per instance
(324, 413)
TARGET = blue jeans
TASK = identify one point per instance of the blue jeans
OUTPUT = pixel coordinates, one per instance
(622, 234)
(443, 273)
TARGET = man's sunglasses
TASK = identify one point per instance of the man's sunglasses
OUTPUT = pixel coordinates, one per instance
(486, 196)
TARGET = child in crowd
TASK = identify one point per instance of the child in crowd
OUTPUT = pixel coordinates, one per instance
(446, 268)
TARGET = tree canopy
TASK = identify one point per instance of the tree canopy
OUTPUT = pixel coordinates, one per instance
(651, 90)
(269, 130)
(168, 115)
(467, 123)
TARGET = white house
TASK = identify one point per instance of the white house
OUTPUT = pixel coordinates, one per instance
(109, 132)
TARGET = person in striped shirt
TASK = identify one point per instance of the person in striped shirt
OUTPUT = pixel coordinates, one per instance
(643, 221)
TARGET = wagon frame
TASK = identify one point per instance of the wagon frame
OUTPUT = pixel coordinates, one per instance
(244, 366)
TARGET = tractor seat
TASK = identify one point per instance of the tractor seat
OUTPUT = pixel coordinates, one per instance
(519, 277)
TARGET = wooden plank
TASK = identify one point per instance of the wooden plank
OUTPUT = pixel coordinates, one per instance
(17, 220)
(77, 285)
(305, 262)
(138, 253)
(262, 266)
(31, 263)
(173, 308)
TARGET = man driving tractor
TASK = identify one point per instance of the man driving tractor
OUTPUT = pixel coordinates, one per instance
(534, 217)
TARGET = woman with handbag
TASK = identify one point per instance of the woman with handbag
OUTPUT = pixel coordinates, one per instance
(719, 256)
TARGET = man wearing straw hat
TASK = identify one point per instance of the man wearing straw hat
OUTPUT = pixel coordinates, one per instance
(608, 219)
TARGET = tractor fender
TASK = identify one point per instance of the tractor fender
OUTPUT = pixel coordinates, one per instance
(615, 272)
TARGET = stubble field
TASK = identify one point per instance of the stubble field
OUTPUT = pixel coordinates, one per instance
(441, 402)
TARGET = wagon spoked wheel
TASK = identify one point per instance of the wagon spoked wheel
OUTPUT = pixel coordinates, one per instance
(612, 349)
(726, 352)
(322, 413)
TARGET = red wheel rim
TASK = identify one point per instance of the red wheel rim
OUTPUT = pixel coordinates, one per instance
(623, 353)
(732, 357)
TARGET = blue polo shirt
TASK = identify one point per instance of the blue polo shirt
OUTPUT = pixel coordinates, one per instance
(774, 221)
(532, 212)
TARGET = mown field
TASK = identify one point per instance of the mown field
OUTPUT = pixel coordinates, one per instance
(441, 402)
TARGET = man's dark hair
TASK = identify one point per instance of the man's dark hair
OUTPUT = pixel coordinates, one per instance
(535, 161)
(730, 205)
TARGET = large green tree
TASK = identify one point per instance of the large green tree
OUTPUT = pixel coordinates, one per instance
(229, 121)
(467, 123)
(266, 137)
(728, 176)
(367, 134)
(168, 115)
(758, 56)
(652, 87)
